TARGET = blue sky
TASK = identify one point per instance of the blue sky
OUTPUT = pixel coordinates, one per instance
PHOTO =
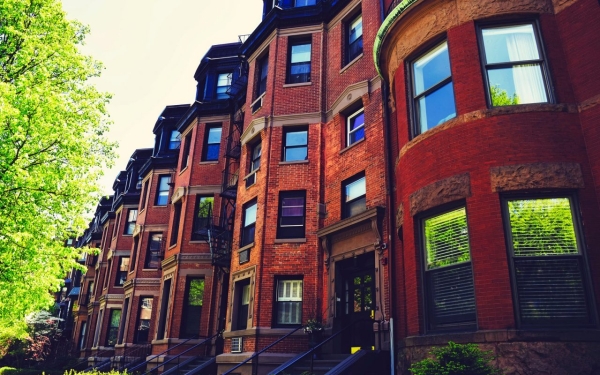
(150, 49)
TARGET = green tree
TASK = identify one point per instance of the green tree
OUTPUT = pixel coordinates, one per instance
(456, 359)
(52, 150)
(500, 97)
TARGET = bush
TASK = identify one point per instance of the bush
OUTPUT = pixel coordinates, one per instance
(8, 371)
(456, 359)
(95, 372)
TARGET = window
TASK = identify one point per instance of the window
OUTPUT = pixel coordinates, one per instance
(113, 327)
(354, 42)
(354, 196)
(295, 145)
(514, 65)
(82, 334)
(355, 127)
(249, 223)
(174, 140)
(299, 62)
(289, 302)
(176, 221)
(162, 196)
(164, 309)
(202, 215)
(433, 94)
(122, 271)
(186, 151)
(212, 143)
(292, 211)
(223, 84)
(143, 321)
(254, 164)
(263, 70)
(192, 308)
(153, 253)
(144, 194)
(550, 285)
(241, 305)
(123, 323)
(131, 218)
(117, 224)
(98, 329)
(304, 3)
(134, 252)
(449, 290)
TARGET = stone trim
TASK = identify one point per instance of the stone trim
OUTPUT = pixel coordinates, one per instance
(304, 30)
(248, 273)
(297, 119)
(263, 331)
(349, 96)
(253, 129)
(443, 191)
(536, 176)
(351, 7)
(263, 46)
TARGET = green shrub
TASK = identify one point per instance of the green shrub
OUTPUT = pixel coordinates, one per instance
(456, 359)
(95, 372)
(8, 371)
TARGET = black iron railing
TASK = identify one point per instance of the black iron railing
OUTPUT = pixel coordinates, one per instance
(165, 352)
(255, 356)
(175, 361)
(136, 353)
(310, 354)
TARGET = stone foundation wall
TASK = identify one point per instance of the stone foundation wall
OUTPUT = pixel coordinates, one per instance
(520, 357)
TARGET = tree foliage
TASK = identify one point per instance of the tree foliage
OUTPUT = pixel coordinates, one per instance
(52, 148)
(500, 97)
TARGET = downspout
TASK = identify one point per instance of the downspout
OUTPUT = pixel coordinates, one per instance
(390, 204)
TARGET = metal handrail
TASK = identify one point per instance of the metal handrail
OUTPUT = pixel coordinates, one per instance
(301, 356)
(101, 364)
(133, 352)
(161, 353)
(182, 353)
(255, 355)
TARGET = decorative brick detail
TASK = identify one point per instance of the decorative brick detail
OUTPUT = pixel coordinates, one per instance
(536, 176)
(400, 216)
(440, 192)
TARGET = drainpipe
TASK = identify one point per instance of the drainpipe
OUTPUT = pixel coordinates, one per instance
(390, 204)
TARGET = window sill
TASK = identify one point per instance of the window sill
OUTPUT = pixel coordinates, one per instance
(290, 240)
(293, 162)
(286, 85)
(127, 234)
(209, 162)
(245, 247)
(351, 63)
(183, 170)
(149, 269)
(196, 241)
(351, 146)
(172, 246)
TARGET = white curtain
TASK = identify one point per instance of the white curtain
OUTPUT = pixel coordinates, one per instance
(528, 80)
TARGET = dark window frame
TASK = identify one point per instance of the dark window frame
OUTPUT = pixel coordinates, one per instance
(300, 77)
(287, 231)
(153, 252)
(248, 232)
(206, 155)
(431, 325)
(350, 55)
(120, 274)
(587, 282)
(112, 332)
(143, 338)
(144, 194)
(174, 144)
(188, 313)
(185, 155)
(177, 212)
(223, 95)
(162, 195)
(276, 301)
(350, 131)
(262, 73)
(201, 222)
(130, 224)
(293, 129)
(542, 61)
(415, 128)
(348, 205)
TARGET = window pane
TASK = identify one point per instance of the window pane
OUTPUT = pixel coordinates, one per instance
(205, 205)
(356, 207)
(447, 239)
(212, 152)
(356, 130)
(224, 79)
(250, 215)
(300, 53)
(510, 43)
(214, 135)
(432, 68)
(164, 183)
(436, 107)
(355, 30)
(303, 3)
(196, 292)
(175, 140)
(296, 138)
(542, 227)
(357, 121)
(355, 189)
(296, 153)
(520, 84)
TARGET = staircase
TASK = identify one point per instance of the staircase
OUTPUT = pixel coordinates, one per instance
(319, 366)
(193, 366)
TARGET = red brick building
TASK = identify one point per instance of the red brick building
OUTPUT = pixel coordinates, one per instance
(445, 190)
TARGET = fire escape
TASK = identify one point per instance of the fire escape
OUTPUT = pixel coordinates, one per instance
(219, 231)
